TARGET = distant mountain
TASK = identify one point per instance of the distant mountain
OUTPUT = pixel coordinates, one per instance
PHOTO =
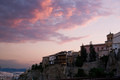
(12, 70)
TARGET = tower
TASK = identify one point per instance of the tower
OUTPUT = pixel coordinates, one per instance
(109, 41)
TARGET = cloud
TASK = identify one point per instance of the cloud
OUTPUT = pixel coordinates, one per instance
(39, 20)
(67, 39)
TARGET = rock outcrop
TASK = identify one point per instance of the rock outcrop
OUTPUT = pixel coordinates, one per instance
(112, 62)
(89, 65)
(53, 72)
(58, 72)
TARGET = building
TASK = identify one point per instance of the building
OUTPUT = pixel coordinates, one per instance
(52, 59)
(97, 47)
(104, 48)
(75, 55)
(103, 53)
(109, 41)
(71, 57)
(58, 58)
(100, 49)
(116, 42)
(45, 61)
(61, 58)
(48, 60)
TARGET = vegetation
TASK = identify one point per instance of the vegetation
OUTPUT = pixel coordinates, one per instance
(111, 73)
(37, 67)
(80, 73)
(118, 55)
(97, 72)
(92, 54)
(83, 53)
(79, 61)
(104, 60)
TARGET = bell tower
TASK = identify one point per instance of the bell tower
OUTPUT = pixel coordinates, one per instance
(109, 41)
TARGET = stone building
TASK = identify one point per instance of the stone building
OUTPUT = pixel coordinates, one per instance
(71, 58)
(45, 61)
(104, 48)
(100, 49)
(97, 47)
(61, 58)
(116, 42)
(109, 41)
(52, 59)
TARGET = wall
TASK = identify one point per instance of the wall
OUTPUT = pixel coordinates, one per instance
(116, 42)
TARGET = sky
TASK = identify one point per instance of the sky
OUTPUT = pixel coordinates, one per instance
(32, 29)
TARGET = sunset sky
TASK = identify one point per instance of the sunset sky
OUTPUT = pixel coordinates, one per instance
(31, 29)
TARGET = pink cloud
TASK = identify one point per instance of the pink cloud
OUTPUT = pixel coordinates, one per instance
(68, 39)
(58, 14)
(45, 13)
(40, 20)
(70, 12)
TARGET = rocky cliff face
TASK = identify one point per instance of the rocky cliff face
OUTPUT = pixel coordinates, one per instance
(118, 63)
(53, 72)
(113, 63)
(118, 68)
(89, 65)
(31, 75)
(58, 72)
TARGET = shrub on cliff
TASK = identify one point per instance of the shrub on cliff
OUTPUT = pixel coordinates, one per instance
(80, 73)
(104, 60)
(97, 72)
(79, 61)
(83, 53)
(92, 54)
(37, 67)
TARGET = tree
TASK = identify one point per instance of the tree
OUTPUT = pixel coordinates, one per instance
(111, 73)
(33, 67)
(104, 60)
(40, 67)
(80, 73)
(92, 54)
(118, 55)
(79, 61)
(37, 67)
(83, 53)
(97, 72)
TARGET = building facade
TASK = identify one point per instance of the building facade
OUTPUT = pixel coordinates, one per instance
(45, 61)
(61, 58)
(97, 47)
(100, 49)
(52, 59)
(109, 41)
(71, 58)
(116, 42)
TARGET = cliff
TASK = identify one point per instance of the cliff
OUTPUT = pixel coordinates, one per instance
(110, 65)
